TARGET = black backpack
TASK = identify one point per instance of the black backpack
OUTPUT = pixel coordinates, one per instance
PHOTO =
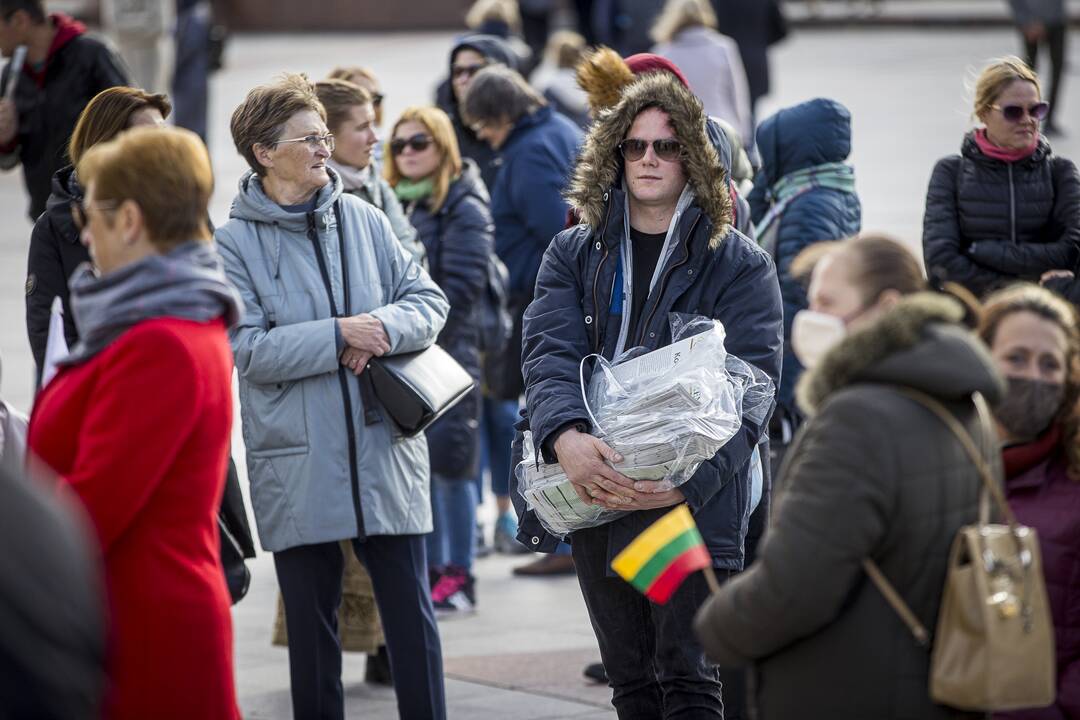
(496, 323)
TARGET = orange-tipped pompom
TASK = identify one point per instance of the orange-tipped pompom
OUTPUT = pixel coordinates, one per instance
(603, 74)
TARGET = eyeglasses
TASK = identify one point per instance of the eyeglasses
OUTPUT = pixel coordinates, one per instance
(80, 215)
(313, 141)
(1016, 113)
(459, 72)
(377, 98)
(418, 143)
(667, 149)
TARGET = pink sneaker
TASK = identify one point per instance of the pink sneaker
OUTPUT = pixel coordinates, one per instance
(454, 592)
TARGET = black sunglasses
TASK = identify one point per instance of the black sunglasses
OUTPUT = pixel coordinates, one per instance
(1015, 113)
(460, 71)
(667, 149)
(417, 142)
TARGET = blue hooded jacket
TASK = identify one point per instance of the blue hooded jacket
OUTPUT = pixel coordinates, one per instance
(796, 138)
(526, 199)
(712, 270)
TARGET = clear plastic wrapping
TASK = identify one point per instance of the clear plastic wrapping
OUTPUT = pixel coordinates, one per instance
(664, 411)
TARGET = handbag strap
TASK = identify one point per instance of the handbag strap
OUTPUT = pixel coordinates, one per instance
(893, 598)
(990, 489)
(990, 484)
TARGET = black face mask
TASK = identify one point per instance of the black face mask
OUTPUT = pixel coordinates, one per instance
(1029, 407)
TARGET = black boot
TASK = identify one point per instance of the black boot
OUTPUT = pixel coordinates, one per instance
(377, 671)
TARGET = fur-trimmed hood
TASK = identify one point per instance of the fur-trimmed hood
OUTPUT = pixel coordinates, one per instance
(919, 344)
(600, 167)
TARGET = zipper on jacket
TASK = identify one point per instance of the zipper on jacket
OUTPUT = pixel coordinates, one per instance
(664, 280)
(343, 377)
(598, 344)
(1012, 204)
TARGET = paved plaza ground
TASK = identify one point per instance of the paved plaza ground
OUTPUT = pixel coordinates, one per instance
(521, 655)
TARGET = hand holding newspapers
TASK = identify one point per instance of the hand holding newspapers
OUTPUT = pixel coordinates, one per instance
(664, 411)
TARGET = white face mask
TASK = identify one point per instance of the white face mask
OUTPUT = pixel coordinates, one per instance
(814, 334)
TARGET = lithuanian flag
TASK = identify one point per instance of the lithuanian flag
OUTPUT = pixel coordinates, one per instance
(659, 559)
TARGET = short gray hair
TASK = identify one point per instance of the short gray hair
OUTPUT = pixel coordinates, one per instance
(498, 93)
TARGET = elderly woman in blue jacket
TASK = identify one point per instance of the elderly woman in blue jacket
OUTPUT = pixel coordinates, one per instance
(327, 287)
(803, 194)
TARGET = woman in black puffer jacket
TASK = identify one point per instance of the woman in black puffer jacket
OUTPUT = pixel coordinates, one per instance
(446, 201)
(1006, 208)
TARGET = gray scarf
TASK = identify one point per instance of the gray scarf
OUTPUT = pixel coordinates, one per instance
(353, 179)
(188, 282)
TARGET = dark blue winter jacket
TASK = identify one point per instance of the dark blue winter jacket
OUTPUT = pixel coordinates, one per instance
(526, 201)
(458, 238)
(796, 138)
(495, 51)
(712, 271)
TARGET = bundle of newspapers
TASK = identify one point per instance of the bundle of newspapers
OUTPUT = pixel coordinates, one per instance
(664, 411)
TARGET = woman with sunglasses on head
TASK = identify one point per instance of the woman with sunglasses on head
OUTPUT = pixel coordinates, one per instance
(448, 204)
(326, 287)
(1034, 341)
(1006, 207)
(55, 250)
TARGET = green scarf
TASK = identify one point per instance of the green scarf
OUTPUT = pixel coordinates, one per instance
(835, 176)
(409, 190)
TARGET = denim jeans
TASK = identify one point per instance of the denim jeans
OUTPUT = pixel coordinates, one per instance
(655, 665)
(497, 418)
(453, 510)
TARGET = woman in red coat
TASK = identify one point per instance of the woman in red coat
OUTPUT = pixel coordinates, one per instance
(1033, 337)
(137, 422)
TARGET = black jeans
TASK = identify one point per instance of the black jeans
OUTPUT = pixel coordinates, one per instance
(1055, 42)
(310, 581)
(655, 665)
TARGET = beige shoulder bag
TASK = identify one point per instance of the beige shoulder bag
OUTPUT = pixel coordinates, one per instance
(994, 645)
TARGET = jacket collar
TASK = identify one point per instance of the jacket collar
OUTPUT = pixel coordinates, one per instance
(1020, 459)
(253, 204)
(969, 148)
(524, 125)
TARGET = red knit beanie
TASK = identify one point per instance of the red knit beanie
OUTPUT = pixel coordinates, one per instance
(647, 62)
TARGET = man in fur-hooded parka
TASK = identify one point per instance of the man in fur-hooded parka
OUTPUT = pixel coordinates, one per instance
(590, 298)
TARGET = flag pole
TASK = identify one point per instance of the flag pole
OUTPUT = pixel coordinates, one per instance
(710, 578)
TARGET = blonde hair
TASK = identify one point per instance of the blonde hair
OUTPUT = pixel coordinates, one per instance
(438, 125)
(1045, 305)
(339, 97)
(165, 171)
(564, 49)
(997, 76)
(880, 261)
(356, 74)
(504, 11)
(678, 15)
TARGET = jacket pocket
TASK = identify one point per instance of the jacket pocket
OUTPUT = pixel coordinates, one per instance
(275, 421)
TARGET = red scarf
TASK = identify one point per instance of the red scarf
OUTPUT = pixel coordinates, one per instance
(989, 149)
(1019, 459)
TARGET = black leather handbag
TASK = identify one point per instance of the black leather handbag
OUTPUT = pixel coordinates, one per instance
(416, 388)
(237, 575)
